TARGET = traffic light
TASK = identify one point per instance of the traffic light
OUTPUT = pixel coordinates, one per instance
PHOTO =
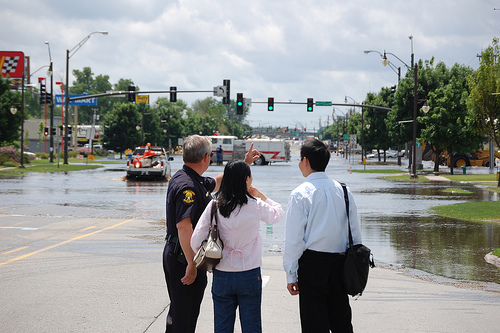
(270, 104)
(310, 104)
(48, 99)
(226, 99)
(131, 96)
(54, 131)
(239, 103)
(46, 131)
(43, 92)
(69, 130)
(173, 94)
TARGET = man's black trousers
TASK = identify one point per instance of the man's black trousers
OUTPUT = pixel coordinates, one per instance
(324, 303)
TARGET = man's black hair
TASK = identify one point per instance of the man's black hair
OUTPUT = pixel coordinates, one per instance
(317, 153)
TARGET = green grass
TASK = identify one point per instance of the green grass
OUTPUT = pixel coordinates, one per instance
(497, 252)
(471, 211)
(378, 171)
(45, 166)
(454, 190)
(493, 189)
(472, 178)
(405, 178)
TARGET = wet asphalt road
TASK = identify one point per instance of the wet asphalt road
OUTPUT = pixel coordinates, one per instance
(80, 246)
(395, 216)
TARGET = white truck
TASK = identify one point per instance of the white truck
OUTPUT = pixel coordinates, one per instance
(271, 150)
(148, 163)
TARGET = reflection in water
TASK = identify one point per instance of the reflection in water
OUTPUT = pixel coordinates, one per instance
(437, 245)
(395, 217)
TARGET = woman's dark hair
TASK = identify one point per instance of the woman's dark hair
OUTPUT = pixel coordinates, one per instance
(233, 190)
(317, 153)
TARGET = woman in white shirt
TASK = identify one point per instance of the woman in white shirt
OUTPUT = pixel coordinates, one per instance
(237, 278)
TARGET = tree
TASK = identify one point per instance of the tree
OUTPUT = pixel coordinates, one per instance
(402, 110)
(376, 136)
(86, 84)
(446, 126)
(171, 120)
(120, 130)
(483, 106)
(9, 124)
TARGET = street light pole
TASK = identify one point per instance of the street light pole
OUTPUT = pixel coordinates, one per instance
(51, 139)
(414, 67)
(69, 54)
(362, 128)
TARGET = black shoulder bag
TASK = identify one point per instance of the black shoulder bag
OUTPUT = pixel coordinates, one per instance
(357, 262)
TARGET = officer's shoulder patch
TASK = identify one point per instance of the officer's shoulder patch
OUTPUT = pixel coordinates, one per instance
(188, 196)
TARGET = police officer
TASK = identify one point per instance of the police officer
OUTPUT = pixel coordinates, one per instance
(187, 196)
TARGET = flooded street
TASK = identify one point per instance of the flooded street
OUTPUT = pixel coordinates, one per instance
(396, 222)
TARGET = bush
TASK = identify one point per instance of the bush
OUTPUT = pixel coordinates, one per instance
(42, 156)
(8, 152)
(85, 151)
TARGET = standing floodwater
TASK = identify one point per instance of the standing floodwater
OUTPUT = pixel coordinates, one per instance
(395, 220)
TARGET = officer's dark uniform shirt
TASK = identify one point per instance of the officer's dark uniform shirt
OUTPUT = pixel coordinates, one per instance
(187, 196)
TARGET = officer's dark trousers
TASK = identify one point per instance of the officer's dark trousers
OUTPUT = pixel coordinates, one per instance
(324, 303)
(185, 301)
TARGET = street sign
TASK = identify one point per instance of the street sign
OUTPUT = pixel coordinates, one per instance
(354, 139)
(86, 101)
(142, 99)
(247, 102)
(323, 103)
(220, 91)
(346, 136)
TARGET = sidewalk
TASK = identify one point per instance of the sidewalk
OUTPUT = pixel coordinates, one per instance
(392, 302)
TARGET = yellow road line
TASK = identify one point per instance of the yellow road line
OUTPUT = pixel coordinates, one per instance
(92, 227)
(65, 242)
(19, 249)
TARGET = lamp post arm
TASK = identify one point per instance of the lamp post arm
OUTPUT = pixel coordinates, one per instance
(391, 65)
(39, 69)
(404, 63)
(79, 45)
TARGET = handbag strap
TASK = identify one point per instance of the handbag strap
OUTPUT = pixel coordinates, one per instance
(346, 198)
(214, 214)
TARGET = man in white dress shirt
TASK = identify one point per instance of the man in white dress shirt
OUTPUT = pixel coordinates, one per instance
(316, 237)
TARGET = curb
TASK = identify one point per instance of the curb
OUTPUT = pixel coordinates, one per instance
(492, 259)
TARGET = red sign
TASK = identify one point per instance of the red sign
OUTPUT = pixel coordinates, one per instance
(12, 63)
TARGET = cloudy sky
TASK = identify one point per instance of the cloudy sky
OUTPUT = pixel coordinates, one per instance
(286, 49)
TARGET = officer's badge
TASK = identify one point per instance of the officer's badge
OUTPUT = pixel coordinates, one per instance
(188, 196)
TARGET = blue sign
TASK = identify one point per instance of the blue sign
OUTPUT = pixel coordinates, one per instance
(86, 101)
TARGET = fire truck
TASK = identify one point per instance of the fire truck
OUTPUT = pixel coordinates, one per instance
(271, 150)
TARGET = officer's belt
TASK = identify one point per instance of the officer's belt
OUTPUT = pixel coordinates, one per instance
(171, 239)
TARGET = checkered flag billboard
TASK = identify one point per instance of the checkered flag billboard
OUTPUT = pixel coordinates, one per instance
(12, 63)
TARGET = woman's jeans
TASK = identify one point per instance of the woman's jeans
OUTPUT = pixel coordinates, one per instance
(233, 289)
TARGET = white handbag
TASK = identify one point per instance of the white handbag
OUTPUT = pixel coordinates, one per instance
(210, 252)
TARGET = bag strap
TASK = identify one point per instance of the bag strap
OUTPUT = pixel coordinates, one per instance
(214, 214)
(346, 198)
